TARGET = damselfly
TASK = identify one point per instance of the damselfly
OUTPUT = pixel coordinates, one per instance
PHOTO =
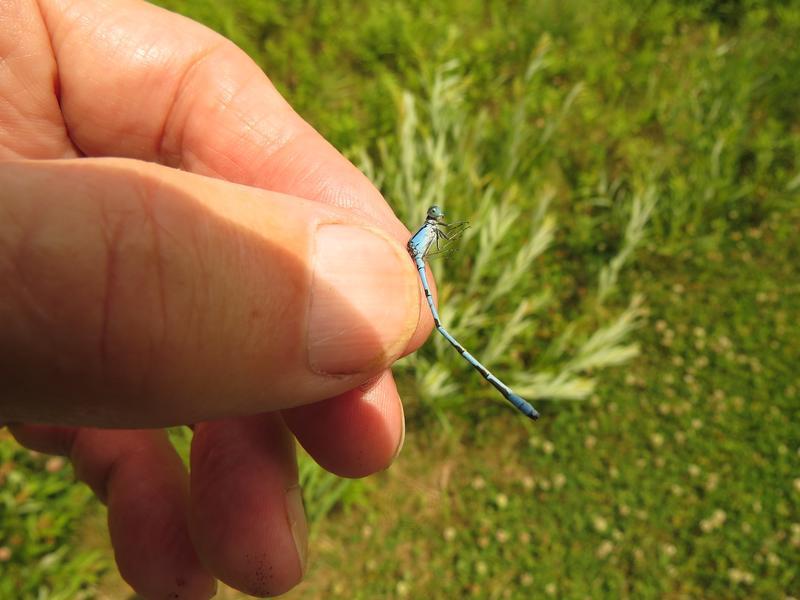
(429, 240)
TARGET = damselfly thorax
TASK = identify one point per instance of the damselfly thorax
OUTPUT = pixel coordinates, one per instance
(435, 236)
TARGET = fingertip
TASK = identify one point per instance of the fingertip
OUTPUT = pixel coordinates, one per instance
(355, 434)
(364, 306)
(246, 515)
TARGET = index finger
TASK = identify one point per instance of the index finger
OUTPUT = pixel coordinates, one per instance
(141, 82)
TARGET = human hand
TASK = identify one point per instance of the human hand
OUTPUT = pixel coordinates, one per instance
(167, 286)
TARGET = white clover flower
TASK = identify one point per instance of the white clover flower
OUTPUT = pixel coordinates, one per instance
(604, 549)
(599, 523)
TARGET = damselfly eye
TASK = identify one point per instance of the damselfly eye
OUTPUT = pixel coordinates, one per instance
(434, 212)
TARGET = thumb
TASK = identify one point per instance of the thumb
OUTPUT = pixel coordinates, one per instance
(139, 296)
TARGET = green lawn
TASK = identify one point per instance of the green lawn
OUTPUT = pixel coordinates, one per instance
(632, 171)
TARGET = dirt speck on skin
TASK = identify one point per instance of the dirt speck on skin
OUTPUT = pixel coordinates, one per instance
(263, 576)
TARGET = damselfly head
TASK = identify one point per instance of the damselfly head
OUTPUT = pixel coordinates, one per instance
(435, 213)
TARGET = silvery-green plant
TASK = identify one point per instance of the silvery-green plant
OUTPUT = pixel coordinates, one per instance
(641, 209)
(491, 295)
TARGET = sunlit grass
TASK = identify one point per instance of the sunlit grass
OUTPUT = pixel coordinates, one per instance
(632, 179)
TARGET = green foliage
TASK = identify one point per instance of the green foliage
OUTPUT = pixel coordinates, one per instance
(41, 510)
(439, 156)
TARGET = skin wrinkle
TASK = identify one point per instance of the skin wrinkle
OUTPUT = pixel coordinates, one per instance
(290, 153)
(280, 311)
(218, 460)
(270, 147)
(66, 441)
(35, 104)
(172, 156)
(269, 134)
(51, 31)
(115, 225)
(52, 56)
(191, 161)
(27, 299)
(54, 18)
(147, 203)
(78, 448)
(171, 533)
(110, 39)
(153, 231)
(111, 237)
(100, 481)
(194, 318)
(261, 132)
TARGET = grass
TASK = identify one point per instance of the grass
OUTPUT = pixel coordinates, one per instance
(40, 512)
(677, 478)
(632, 174)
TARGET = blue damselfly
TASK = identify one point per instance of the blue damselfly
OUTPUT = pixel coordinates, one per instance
(429, 240)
